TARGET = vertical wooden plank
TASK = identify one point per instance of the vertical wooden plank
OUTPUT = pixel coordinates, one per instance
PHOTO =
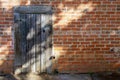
(48, 31)
(26, 54)
(34, 40)
(27, 30)
(29, 37)
(46, 41)
(30, 41)
(23, 42)
(18, 62)
(43, 44)
(38, 40)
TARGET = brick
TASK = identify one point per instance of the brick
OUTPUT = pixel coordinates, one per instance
(100, 45)
(76, 34)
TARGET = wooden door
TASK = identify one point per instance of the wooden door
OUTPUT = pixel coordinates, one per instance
(33, 41)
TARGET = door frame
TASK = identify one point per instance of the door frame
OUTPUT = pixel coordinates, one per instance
(36, 9)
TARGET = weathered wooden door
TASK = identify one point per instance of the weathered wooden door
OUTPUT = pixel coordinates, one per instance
(33, 38)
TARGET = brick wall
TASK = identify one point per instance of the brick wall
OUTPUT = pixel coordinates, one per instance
(84, 33)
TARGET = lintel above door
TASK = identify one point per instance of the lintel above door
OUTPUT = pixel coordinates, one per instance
(32, 9)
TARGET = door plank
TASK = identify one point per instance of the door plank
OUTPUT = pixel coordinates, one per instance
(46, 40)
(38, 40)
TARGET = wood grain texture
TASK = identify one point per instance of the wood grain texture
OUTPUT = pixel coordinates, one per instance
(35, 32)
(41, 9)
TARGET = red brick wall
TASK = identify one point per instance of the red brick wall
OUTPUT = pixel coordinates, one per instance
(84, 32)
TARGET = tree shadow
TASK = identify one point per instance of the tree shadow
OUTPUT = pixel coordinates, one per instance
(83, 33)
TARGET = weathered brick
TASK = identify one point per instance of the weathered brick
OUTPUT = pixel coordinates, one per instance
(80, 27)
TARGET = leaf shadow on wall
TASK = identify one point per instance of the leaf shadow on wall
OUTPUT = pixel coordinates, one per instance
(89, 28)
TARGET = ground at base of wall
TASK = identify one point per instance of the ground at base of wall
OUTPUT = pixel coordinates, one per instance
(89, 76)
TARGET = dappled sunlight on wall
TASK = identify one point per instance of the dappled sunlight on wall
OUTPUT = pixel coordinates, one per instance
(9, 4)
(83, 35)
(6, 52)
(6, 43)
(70, 13)
(84, 32)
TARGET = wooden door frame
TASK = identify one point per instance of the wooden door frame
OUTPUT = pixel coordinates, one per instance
(39, 9)
(36, 9)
